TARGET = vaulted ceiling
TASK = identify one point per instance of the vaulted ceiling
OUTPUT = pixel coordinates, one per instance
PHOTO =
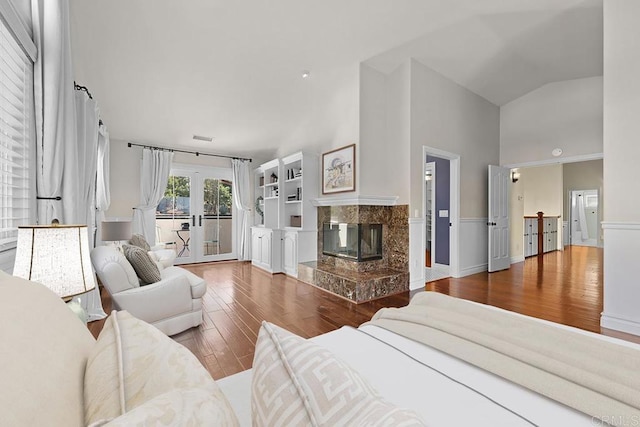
(164, 70)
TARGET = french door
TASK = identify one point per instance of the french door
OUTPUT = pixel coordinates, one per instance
(196, 216)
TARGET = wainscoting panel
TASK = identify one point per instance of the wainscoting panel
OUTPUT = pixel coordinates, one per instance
(416, 253)
(621, 272)
(473, 246)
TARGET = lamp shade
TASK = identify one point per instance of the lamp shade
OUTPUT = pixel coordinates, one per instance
(57, 257)
(113, 231)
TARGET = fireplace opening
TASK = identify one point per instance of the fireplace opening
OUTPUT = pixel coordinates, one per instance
(357, 242)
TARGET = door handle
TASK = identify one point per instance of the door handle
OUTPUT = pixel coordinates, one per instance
(193, 220)
(200, 220)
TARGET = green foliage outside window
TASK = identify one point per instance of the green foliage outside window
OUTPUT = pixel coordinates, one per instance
(217, 196)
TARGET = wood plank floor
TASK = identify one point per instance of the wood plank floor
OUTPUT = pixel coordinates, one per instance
(564, 287)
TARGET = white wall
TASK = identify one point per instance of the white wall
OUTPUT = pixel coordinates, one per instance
(542, 189)
(565, 115)
(399, 130)
(371, 178)
(384, 133)
(446, 116)
(516, 220)
(621, 150)
(327, 126)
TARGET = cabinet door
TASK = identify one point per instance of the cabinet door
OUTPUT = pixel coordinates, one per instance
(527, 237)
(265, 256)
(291, 253)
(256, 246)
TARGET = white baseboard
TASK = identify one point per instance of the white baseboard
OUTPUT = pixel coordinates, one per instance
(467, 271)
(517, 259)
(623, 325)
(416, 284)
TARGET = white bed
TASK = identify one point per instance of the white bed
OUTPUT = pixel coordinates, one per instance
(444, 390)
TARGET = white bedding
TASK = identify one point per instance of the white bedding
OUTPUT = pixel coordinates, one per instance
(437, 393)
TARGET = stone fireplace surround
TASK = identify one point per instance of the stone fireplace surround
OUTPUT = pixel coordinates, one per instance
(366, 280)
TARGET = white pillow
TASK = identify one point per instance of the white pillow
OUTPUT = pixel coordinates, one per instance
(103, 377)
(296, 382)
(133, 364)
(154, 258)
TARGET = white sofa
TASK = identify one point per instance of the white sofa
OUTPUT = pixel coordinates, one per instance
(54, 373)
(173, 304)
(164, 256)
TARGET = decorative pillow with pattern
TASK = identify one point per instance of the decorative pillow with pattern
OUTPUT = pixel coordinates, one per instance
(145, 267)
(139, 241)
(296, 382)
(136, 375)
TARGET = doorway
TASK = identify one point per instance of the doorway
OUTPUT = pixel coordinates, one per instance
(440, 206)
(584, 218)
(430, 184)
(196, 215)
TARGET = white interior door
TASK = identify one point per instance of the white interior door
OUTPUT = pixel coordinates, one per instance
(498, 223)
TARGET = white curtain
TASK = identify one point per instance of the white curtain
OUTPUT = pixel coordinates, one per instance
(241, 198)
(66, 143)
(56, 155)
(87, 150)
(103, 190)
(87, 125)
(156, 165)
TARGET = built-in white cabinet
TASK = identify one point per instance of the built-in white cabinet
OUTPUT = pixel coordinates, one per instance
(550, 235)
(266, 252)
(300, 187)
(290, 253)
(284, 189)
(268, 204)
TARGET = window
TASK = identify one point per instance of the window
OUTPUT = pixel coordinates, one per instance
(17, 186)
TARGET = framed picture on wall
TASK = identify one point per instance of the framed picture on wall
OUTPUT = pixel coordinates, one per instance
(339, 170)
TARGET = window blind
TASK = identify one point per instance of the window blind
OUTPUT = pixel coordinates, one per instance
(16, 138)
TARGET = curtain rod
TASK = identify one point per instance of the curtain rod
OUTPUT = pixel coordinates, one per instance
(132, 144)
(76, 86)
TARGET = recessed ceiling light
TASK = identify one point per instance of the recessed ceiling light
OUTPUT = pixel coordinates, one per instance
(556, 152)
(306, 74)
(203, 138)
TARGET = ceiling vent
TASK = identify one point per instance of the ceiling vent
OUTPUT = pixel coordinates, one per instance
(203, 138)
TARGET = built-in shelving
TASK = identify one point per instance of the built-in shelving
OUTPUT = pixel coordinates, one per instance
(287, 188)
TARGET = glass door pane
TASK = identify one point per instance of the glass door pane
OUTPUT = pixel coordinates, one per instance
(217, 220)
(174, 217)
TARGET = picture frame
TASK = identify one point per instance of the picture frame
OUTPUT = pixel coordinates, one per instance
(339, 170)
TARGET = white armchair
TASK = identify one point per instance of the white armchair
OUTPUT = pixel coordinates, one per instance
(158, 253)
(173, 304)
